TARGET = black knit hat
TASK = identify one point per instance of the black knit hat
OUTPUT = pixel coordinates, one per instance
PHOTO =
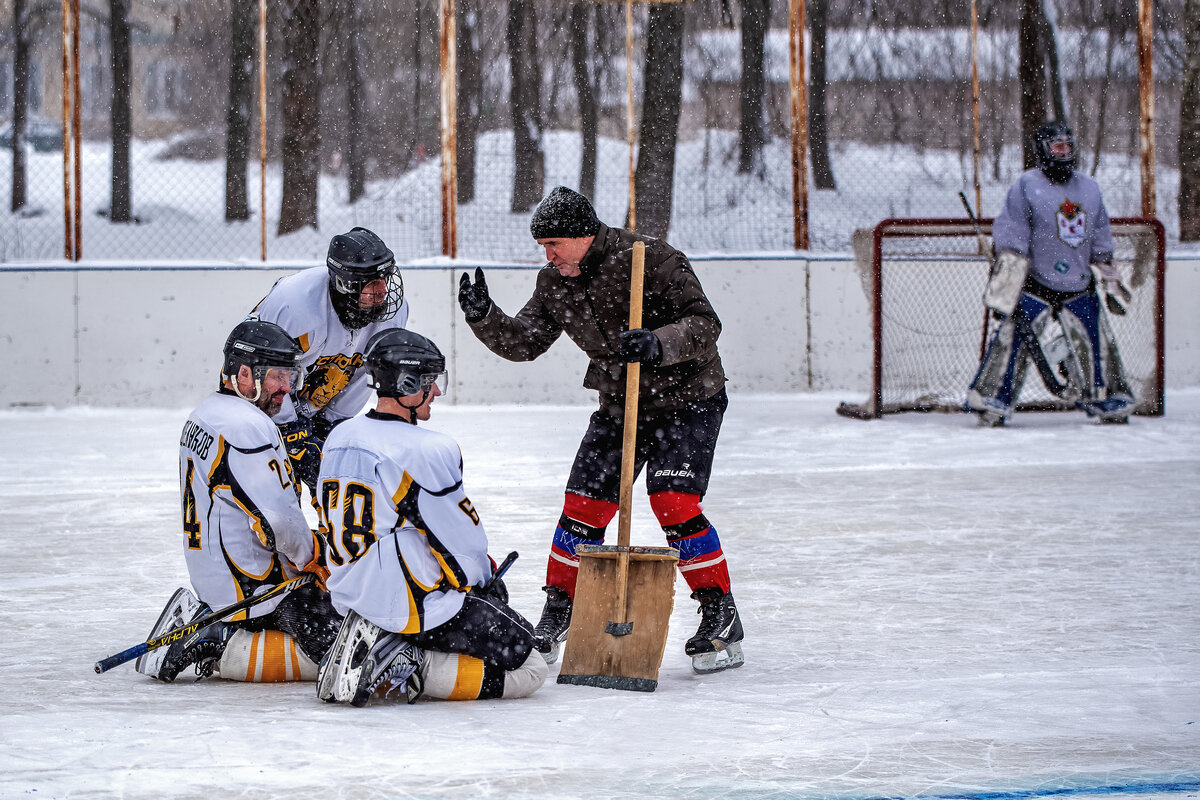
(564, 214)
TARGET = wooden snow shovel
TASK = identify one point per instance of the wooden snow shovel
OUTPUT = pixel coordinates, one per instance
(624, 595)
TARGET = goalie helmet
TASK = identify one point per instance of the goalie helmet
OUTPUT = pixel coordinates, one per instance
(262, 346)
(1052, 136)
(356, 260)
(401, 363)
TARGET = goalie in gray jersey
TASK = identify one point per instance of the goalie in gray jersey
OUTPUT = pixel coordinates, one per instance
(243, 530)
(408, 553)
(1053, 266)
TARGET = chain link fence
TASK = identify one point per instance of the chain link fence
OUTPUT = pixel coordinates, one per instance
(896, 100)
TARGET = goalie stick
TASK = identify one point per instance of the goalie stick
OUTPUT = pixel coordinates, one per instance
(1025, 327)
(106, 664)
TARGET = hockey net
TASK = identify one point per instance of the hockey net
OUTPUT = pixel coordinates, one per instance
(925, 280)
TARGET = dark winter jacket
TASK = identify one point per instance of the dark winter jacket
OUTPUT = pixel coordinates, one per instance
(593, 310)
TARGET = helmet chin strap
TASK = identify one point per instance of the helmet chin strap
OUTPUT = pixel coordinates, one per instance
(412, 417)
(257, 390)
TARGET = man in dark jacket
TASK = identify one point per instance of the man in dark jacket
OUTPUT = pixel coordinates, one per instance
(584, 292)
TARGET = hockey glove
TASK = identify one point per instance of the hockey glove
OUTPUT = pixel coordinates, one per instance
(317, 565)
(474, 298)
(304, 451)
(641, 345)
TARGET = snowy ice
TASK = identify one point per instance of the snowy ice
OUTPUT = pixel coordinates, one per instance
(931, 609)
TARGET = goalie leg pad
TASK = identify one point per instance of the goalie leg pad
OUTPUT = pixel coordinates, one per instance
(1009, 271)
(265, 657)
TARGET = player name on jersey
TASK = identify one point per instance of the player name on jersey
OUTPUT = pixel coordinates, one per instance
(196, 439)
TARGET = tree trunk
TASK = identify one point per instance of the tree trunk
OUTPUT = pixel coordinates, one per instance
(654, 176)
(1031, 75)
(470, 93)
(301, 109)
(755, 14)
(586, 92)
(1189, 128)
(818, 129)
(122, 129)
(20, 99)
(525, 99)
(1058, 92)
(242, 22)
(356, 159)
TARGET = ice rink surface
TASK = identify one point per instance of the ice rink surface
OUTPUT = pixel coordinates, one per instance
(931, 610)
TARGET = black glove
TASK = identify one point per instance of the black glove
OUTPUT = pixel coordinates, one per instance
(641, 345)
(304, 450)
(474, 298)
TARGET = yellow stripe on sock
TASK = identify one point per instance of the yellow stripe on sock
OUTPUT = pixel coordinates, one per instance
(274, 664)
(252, 668)
(469, 681)
(295, 676)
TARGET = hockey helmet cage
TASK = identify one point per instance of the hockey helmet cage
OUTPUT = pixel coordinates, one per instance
(356, 259)
(1058, 168)
(261, 346)
(401, 363)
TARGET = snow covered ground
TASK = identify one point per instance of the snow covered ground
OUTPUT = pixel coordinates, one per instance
(931, 609)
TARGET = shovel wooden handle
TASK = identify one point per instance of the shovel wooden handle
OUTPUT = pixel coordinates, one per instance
(633, 374)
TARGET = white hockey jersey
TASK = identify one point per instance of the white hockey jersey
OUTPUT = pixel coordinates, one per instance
(335, 383)
(405, 543)
(242, 523)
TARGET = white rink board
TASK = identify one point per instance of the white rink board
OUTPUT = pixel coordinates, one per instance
(113, 336)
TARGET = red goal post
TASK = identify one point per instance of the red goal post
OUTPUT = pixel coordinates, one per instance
(925, 281)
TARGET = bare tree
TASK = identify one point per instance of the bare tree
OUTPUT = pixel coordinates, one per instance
(468, 27)
(122, 113)
(755, 14)
(356, 160)
(1031, 76)
(301, 110)
(818, 128)
(654, 176)
(1189, 128)
(585, 91)
(525, 99)
(237, 113)
(21, 32)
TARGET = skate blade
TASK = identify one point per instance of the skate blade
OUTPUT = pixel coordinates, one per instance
(729, 658)
(553, 653)
(180, 610)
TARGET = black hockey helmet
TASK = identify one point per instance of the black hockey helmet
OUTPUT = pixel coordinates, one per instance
(356, 259)
(1058, 168)
(262, 346)
(401, 362)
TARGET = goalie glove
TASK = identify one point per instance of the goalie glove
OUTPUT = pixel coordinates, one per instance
(1109, 286)
(1009, 271)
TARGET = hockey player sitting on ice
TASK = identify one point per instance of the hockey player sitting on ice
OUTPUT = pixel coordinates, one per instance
(1053, 267)
(332, 311)
(243, 530)
(584, 292)
(408, 558)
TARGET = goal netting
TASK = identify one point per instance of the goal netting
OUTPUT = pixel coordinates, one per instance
(925, 280)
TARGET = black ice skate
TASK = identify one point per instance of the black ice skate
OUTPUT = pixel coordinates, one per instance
(717, 644)
(182, 608)
(203, 649)
(363, 658)
(551, 630)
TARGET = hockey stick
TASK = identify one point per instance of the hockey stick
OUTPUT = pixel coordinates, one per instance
(1024, 326)
(500, 570)
(104, 665)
